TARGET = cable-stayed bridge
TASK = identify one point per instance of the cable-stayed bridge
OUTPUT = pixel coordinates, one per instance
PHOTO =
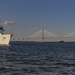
(44, 35)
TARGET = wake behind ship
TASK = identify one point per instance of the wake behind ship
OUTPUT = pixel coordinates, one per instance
(4, 38)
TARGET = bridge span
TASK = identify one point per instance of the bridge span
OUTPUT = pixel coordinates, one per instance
(44, 35)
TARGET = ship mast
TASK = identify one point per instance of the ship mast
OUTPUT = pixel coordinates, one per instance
(1, 26)
(1, 21)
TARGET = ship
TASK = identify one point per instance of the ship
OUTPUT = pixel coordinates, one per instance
(61, 41)
(4, 37)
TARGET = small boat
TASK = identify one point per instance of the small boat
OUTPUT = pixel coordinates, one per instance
(61, 41)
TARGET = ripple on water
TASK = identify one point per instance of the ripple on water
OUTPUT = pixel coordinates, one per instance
(38, 59)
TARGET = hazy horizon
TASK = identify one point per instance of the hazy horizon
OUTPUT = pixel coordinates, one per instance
(29, 16)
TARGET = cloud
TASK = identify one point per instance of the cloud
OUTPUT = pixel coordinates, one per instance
(31, 25)
(9, 22)
(1, 16)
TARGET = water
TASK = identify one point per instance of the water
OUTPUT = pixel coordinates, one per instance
(22, 58)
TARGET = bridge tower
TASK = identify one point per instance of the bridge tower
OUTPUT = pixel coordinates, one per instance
(42, 34)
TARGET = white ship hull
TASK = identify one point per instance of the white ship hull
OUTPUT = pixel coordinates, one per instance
(5, 39)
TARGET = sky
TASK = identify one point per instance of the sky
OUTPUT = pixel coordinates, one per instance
(29, 16)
